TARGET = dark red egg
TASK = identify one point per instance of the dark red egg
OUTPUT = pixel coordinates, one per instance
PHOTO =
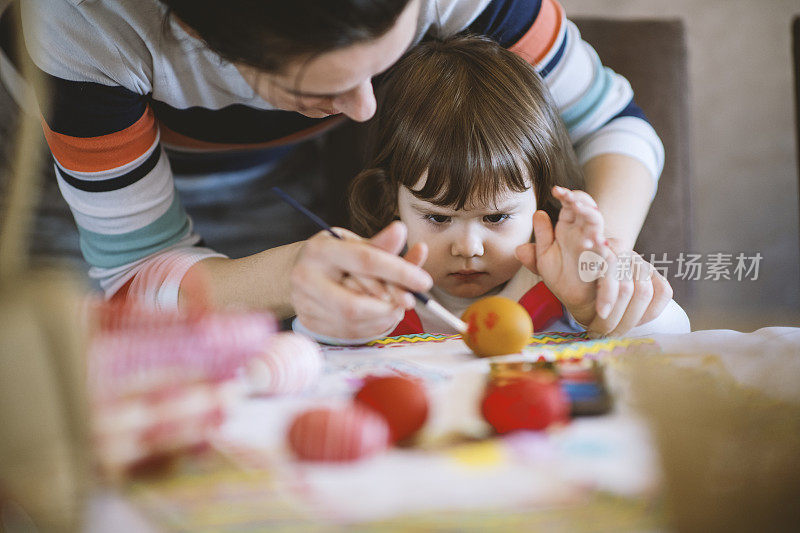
(527, 402)
(401, 401)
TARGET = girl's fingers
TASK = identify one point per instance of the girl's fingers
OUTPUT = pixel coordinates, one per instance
(567, 214)
(543, 233)
(583, 197)
(590, 222)
(579, 208)
(567, 196)
(526, 253)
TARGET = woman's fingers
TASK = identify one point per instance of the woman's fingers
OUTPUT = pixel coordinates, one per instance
(348, 300)
(640, 299)
(603, 326)
(362, 259)
(355, 288)
(391, 239)
(334, 308)
(372, 287)
(642, 295)
(662, 294)
(417, 254)
(607, 285)
(402, 297)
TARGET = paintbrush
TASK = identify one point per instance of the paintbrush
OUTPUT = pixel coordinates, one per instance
(431, 304)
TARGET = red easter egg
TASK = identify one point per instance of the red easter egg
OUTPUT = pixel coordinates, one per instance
(527, 402)
(343, 434)
(402, 402)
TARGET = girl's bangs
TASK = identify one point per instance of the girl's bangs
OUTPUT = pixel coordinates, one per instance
(463, 169)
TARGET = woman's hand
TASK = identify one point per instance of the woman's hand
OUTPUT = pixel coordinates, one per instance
(629, 293)
(633, 290)
(356, 288)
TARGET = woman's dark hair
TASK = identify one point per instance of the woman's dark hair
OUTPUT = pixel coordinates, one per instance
(267, 34)
(475, 117)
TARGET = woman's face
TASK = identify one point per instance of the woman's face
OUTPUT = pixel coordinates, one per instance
(471, 250)
(339, 81)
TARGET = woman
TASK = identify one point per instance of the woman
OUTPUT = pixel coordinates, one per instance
(144, 90)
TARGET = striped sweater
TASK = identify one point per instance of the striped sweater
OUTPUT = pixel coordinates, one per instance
(130, 95)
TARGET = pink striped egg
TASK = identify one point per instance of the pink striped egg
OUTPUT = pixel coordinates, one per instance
(342, 434)
(289, 363)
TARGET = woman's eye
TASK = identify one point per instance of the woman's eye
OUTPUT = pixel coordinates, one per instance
(495, 219)
(438, 219)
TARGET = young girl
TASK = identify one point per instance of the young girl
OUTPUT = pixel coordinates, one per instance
(467, 156)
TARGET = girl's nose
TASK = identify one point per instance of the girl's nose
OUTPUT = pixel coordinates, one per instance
(467, 244)
(358, 104)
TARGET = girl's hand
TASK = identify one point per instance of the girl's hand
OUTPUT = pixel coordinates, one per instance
(355, 288)
(555, 254)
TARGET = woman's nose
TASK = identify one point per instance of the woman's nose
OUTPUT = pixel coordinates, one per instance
(358, 104)
(467, 243)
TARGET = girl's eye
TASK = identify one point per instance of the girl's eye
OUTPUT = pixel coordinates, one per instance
(496, 218)
(437, 219)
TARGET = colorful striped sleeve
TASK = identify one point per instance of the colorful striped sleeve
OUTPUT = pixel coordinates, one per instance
(595, 103)
(109, 163)
(113, 173)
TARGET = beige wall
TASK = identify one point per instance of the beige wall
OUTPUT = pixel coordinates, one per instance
(744, 160)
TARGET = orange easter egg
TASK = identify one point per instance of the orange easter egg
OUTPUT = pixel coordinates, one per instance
(496, 326)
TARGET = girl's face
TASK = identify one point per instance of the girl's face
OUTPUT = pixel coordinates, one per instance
(339, 81)
(471, 251)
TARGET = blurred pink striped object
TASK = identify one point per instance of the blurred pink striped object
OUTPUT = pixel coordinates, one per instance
(160, 383)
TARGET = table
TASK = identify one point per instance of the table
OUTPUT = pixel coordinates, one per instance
(596, 474)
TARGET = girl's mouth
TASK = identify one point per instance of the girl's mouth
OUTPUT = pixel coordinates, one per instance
(468, 275)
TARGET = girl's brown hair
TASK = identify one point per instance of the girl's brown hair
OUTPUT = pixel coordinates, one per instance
(473, 115)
